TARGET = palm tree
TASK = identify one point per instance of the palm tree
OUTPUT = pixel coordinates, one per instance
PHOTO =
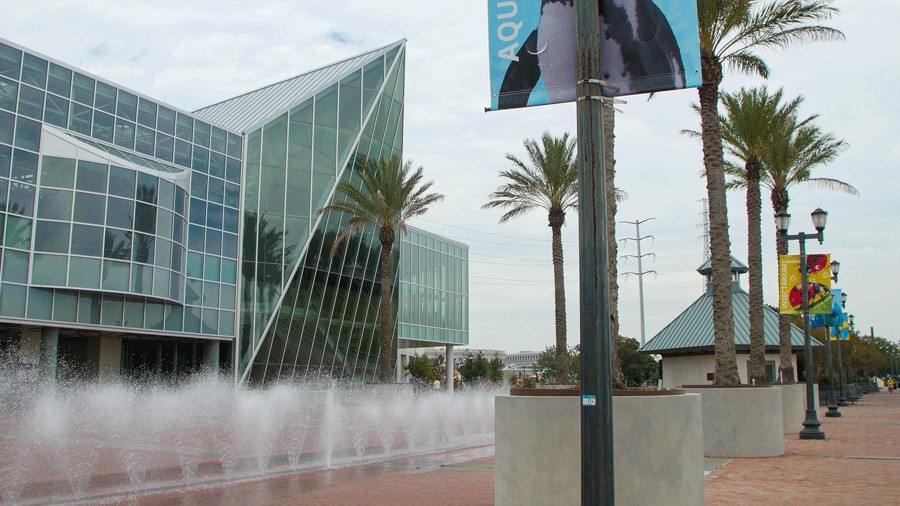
(548, 181)
(613, 196)
(796, 150)
(731, 32)
(390, 193)
(752, 117)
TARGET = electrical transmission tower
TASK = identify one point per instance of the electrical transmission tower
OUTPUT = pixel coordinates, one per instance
(640, 272)
(704, 232)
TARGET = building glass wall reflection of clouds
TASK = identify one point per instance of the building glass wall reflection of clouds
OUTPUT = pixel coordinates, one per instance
(123, 214)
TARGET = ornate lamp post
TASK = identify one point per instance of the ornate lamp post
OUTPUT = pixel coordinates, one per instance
(811, 424)
(842, 401)
(833, 411)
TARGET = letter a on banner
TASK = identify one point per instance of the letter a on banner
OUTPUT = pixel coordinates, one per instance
(532, 49)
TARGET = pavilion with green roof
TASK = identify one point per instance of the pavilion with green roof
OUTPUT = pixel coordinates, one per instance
(686, 343)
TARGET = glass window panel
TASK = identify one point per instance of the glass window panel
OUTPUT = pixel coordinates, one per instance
(147, 188)
(218, 140)
(161, 280)
(184, 127)
(145, 140)
(117, 244)
(164, 220)
(59, 80)
(163, 253)
(147, 113)
(183, 153)
(91, 176)
(83, 89)
(210, 321)
(350, 102)
(201, 133)
(210, 294)
(127, 105)
(89, 208)
(65, 304)
(56, 111)
(227, 296)
(34, 71)
(120, 213)
(24, 166)
(229, 271)
(196, 238)
(28, 134)
(192, 319)
(326, 107)
(40, 304)
(5, 162)
(4, 193)
(232, 195)
(325, 156)
(49, 269)
(9, 94)
(116, 275)
(143, 248)
(217, 164)
(232, 219)
(142, 279)
(18, 232)
(180, 197)
(80, 118)
(194, 265)
(177, 256)
(105, 98)
(87, 240)
(12, 302)
(198, 211)
(7, 124)
(200, 159)
(216, 190)
(165, 147)
(124, 134)
(21, 200)
(226, 323)
(89, 308)
(211, 268)
(154, 315)
(192, 292)
(84, 272)
(103, 126)
(229, 245)
(165, 120)
(235, 145)
(173, 317)
(198, 185)
(145, 218)
(214, 216)
(166, 194)
(10, 61)
(31, 102)
(213, 241)
(233, 170)
(54, 204)
(121, 182)
(112, 310)
(134, 313)
(15, 266)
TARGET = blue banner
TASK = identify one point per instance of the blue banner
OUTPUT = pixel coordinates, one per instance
(648, 46)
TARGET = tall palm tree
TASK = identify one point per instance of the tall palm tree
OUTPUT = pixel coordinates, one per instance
(613, 196)
(549, 181)
(731, 33)
(752, 118)
(389, 194)
(797, 149)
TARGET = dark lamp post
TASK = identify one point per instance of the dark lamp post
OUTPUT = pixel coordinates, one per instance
(835, 267)
(833, 411)
(842, 400)
(811, 424)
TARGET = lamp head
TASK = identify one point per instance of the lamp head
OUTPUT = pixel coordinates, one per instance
(843, 298)
(835, 267)
(782, 221)
(819, 217)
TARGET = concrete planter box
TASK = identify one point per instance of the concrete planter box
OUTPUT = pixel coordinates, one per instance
(741, 421)
(657, 450)
(793, 396)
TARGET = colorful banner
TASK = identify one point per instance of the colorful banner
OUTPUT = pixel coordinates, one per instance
(818, 288)
(842, 330)
(648, 46)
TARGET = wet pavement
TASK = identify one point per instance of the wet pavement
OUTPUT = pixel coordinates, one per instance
(858, 463)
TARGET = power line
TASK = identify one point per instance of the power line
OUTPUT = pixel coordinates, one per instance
(640, 272)
(568, 243)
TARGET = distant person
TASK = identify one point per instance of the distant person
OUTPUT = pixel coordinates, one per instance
(890, 385)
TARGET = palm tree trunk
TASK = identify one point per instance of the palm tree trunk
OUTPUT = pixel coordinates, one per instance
(780, 200)
(726, 372)
(754, 258)
(609, 125)
(386, 235)
(557, 218)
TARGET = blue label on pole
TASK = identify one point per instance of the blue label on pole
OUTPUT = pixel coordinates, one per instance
(588, 400)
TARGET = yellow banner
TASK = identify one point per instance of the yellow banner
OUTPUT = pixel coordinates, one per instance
(790, 294)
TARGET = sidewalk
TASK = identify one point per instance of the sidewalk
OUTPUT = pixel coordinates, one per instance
(858, 463)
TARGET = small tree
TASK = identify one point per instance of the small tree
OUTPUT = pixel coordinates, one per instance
(420, 368)
(638, 368)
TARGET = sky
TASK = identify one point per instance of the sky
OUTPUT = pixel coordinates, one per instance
(195, 53)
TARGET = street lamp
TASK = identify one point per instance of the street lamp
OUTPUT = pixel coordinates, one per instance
(811, 424)
(833, 411)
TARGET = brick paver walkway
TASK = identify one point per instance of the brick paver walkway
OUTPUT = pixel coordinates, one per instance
(858, 464)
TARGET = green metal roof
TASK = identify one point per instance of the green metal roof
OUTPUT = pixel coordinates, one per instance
(692, 330)
(736, 266)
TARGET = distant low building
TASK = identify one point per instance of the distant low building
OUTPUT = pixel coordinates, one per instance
(686, 343)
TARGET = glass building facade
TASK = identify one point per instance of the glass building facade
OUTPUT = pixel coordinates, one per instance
(123, 214)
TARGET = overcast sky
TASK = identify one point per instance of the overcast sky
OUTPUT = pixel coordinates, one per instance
(195, 53)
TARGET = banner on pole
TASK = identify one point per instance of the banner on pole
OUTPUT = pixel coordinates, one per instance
(649, 46)
(818, 288)
(842, 330)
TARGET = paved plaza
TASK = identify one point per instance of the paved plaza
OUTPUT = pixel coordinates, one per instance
(858, 463)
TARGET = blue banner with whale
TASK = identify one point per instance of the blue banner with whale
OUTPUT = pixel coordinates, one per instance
(647, 46)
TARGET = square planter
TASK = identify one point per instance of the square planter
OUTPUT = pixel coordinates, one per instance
(741, 421)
